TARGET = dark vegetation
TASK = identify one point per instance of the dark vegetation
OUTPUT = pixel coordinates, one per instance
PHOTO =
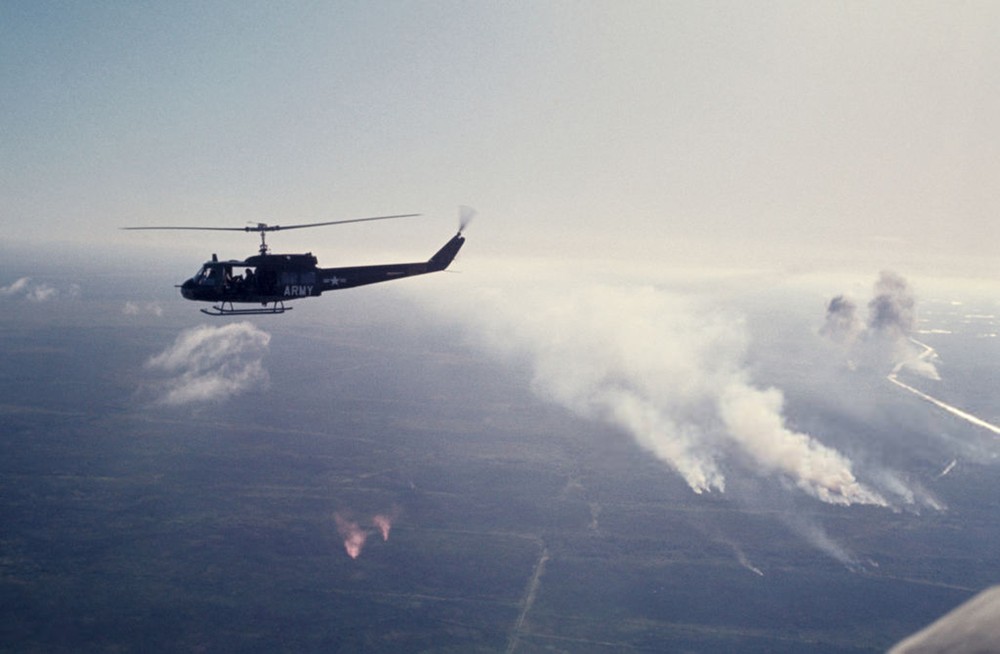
(128, 526)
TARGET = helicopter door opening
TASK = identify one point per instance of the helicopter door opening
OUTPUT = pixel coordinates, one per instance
(238, 280)
(245, 282)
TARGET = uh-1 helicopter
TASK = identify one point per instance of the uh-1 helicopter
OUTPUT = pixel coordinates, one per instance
(270, 279)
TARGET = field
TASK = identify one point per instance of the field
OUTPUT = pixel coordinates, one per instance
(515, 526)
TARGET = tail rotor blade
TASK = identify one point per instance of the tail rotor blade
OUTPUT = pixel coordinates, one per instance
(465, 216)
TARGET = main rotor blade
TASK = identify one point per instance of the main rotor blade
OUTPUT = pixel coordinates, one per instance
(262, 227)
(214, 229)
(275, 228)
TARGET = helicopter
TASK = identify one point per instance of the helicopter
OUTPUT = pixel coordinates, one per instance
(271, 280)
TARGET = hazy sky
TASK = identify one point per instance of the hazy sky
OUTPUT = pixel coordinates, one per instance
(721, 133)
(626, 138)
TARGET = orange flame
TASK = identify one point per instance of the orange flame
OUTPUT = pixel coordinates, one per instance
(354, 536)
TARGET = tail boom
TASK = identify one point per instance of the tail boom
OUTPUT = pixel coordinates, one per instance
(332, 279)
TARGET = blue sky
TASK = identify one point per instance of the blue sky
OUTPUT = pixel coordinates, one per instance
(782, 135)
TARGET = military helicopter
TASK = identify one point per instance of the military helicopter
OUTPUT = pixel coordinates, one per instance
(271, 280)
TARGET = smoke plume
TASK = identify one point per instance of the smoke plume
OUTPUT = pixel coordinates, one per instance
(821, 540)
(892, 310)
(667, 371)
(355, 535)
(842, 322)
(384, 525)
(383, 522)
(352, 533)
(884, 339)
(208, 364)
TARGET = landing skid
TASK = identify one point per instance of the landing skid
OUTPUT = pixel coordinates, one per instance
(227, 309)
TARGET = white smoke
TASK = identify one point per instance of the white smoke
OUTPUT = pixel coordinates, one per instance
(753, 418)
(821, 540)
(666, 370)
(208, 364)
(744, 561)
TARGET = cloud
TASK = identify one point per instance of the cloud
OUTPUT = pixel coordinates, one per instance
(666, 370)
(37, 292)
(134, 308)
(17, 287)
(209, 364)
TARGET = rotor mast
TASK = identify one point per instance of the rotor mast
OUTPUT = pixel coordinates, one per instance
(262, 228)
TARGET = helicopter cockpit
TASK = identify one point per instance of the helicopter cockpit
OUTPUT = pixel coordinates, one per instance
(209, 275)
(221, 275)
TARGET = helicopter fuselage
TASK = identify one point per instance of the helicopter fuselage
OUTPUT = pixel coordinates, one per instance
(277, 278)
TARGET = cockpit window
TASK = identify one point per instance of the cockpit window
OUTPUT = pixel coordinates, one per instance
(208, 276)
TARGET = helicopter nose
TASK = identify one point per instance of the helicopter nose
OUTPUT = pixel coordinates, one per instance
(187, 289)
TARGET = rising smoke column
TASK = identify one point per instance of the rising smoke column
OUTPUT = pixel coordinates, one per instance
(383, 524)
(842, 323)
(353, 534)
(884, 339)
(892, 315)
(753, 419)
(893, 309)
(887, 340)
(667, 371)
(383, 521)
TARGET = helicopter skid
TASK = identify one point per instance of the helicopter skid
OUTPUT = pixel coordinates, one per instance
(227, 309)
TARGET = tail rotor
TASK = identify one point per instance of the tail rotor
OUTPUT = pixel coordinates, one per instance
(465, 216)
